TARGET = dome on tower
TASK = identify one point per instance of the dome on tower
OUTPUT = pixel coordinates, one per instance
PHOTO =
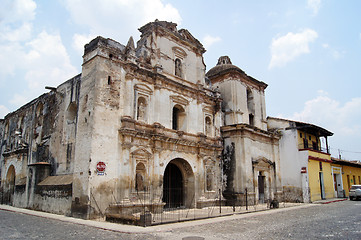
(224, 65)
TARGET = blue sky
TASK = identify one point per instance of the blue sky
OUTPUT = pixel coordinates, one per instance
(307, 51)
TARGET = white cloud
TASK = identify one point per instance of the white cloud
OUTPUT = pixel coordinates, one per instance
(47, 62)
(115, 18)
(10, 59)
(329, 113)
(3, 111)
(17, 10)
(336, 54)
(30, 62)
(314, 5)
(80, 40)
(40, 62)
(341, 119)
(208, 41)
(21, 33)
(288, 47)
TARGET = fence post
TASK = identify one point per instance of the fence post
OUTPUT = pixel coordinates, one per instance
(220, 203)
(246, 199)
(234, 201)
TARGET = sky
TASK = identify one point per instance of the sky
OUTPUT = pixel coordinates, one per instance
(307, 51)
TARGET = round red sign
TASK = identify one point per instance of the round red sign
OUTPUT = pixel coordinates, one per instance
(101, 167)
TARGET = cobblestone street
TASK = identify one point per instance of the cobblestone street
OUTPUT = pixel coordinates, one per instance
(339, 220)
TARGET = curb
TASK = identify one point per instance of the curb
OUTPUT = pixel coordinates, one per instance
(332, 201)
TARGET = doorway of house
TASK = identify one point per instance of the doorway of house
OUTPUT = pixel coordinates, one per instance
(322, 187)
(260, 188)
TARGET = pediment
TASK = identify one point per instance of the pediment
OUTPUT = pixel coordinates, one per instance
(179, 52)
(141, 153)
(179, 99)
(143, 88)
(189, 37)
(262, 162)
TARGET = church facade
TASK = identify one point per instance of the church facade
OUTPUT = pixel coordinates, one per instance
(141, 125)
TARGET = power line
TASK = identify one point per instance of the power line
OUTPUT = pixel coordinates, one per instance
(342, 150)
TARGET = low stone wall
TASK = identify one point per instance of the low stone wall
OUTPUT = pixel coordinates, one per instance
(55, 199)
(292, 194)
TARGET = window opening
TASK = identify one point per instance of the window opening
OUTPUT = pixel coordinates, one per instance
(178, 120)
(251, 119)
(250, 106)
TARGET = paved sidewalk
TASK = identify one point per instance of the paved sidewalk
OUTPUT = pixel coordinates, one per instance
(151, 229)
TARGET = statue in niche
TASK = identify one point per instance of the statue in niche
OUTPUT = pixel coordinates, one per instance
(209, 179)
(139, 182)
(141, 111)
(178, 68)
(208, 126)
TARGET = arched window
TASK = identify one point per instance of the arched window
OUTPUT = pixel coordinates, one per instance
(20, 125)
(39, 118)
(6, 130)
(179, 117)
(250, 107)
(140, 177)
(39, 115)
(142, 109)
(250, 101)
(178, 67)
(71, 113)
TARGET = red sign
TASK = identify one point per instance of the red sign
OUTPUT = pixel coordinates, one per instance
(101, 167)
(303, 170)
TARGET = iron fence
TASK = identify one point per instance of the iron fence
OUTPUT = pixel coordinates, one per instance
(149, 210)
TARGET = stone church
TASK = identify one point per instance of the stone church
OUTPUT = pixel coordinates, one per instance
(141, 125)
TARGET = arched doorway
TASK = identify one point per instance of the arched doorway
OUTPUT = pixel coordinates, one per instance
(178, 184)
(10, 186)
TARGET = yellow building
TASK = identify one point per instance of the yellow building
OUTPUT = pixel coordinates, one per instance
(351, 173)
(320, 176)
(319, 161)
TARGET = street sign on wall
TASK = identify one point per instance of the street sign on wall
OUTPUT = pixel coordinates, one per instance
(101, 168)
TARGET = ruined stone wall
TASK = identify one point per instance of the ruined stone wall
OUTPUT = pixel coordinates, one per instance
(255, 153)
(63, 140)
(33, 145)
(2, 148)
